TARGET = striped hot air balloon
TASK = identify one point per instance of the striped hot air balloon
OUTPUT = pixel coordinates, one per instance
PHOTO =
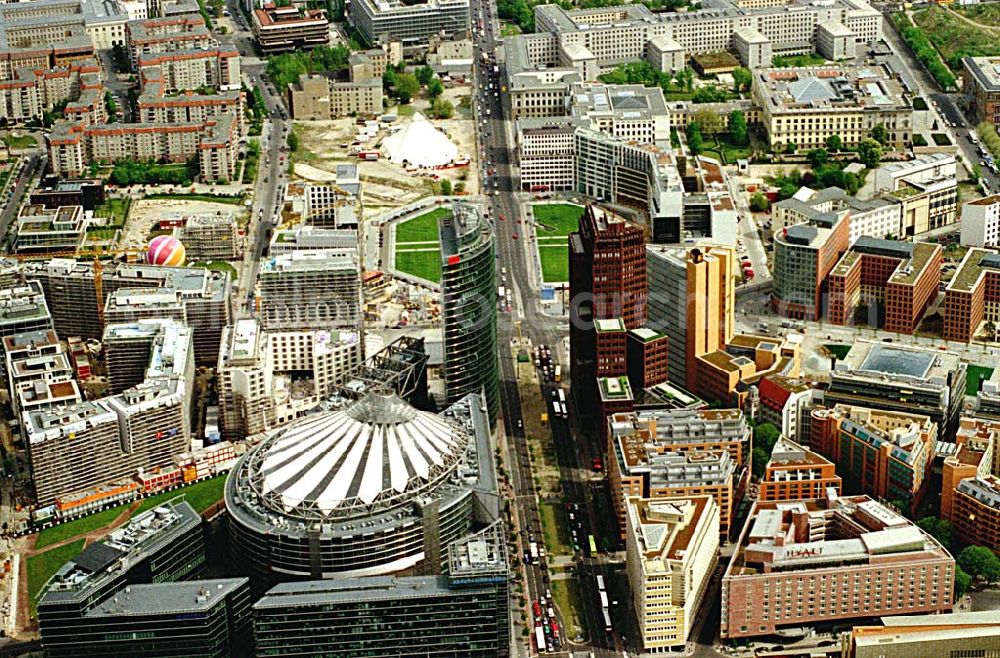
(165, 250)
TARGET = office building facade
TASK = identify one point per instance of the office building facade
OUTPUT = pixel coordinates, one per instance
(797, 473)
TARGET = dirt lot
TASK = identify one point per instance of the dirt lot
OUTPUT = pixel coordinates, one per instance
(147, 213)
(386, 186)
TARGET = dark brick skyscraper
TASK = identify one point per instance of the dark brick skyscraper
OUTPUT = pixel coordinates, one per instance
(607, 281)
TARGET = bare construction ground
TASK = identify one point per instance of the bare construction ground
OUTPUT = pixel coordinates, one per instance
(146, 214)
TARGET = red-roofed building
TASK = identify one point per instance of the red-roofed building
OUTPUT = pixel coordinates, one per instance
(783, 402)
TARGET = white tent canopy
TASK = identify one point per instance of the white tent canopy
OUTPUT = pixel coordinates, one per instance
(420, 144)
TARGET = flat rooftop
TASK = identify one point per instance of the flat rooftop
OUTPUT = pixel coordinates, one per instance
(830, 88)
(177, 598)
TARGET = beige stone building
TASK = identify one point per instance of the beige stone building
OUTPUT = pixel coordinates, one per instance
(316, 97)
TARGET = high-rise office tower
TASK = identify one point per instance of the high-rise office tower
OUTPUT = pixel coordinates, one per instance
(468, 305)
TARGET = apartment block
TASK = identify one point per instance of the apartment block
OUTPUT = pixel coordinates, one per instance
(981, 83)
(804, 255)
(671, 552)
(884, 454)
(972, 296)
(183, 70)
(412, 23)
(73, 145)
(639, 467)
(900, 279)
(784, 402)
(267, 379)
(804, 106)
(168, 34)
(980, 222)
(60, 29)
(154, 105)
(970, 492)
(95, 442)
(281, 29)
(797, 473)
(209, 237)
(834, 559)
(39, 372)
(317, 97)
(40, 229)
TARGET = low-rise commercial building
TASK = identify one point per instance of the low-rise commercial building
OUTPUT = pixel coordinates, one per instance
(833, 559)
(797, 473)
(874, 218)
(972, 296)
(966, 633)
(671, 552)
(884, 454)
(40, 229)
(926, 190)
(281, 29)
(805, 106)
(899, 278)
(77, 447)
(910, 380)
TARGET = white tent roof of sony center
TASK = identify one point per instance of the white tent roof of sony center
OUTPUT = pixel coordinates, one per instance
(420, 144)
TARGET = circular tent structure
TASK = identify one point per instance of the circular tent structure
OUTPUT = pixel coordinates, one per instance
(420, 144)
(351, 492)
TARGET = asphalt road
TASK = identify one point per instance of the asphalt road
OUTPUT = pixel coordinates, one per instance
(10, 210)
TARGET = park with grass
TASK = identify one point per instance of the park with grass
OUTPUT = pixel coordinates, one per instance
(42, 565)
(417, 246)
(553, 223)
(972, 375)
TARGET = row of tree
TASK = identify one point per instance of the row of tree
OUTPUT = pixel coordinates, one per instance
(925, 51)
(132, 172)
(973, 561)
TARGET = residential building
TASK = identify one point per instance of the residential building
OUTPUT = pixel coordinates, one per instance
(76, 447)
(797, 473)
(270, 378)
(910, 380)
(970, 492)
(411, 23)
(23, 308)
(468, 307)
(464, 613)
(671, 553)
(162, 545)
(970, 300)
(40, 229)
(59, 27)
(217, 67)
(311, 290)
(981, 83)
(980, 222)
(896, 280)
(885, 454)
(607, 271)
(966, 633)
(874, 218)
(805, 106)
(211, 237)
(155, 106)
(168, 34)
(804, 254)
(833, 559)
(282, 29)
(784, 402)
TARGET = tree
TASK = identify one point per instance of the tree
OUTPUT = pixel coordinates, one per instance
(758, 202)
(685, 78)
(869, 152)
(406, 87)
(962, 582)
(818, 157)
(112, 106)
(708, 121)
(425, 74)
(435, 88)
(791, 147)
(293, 141)
(442, 109)
(742, 78)
(834, 143)
(738, 128)
(880, 134)
(760, 458)
(981, 562)
(765, 436)
(939, 529)
(445, 187)
(694, 139)
(459, 188)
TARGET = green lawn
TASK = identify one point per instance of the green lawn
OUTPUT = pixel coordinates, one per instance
(555, 529)
(200, 495)
(567, 597)
(839, 351)
(42, 567)
(555, 263)
(509, 29)
(793, 61)
(63, 531)
(972, 378)
(20, 141)
(210, 198)
(556, 218)
(423, 264)
(218, 266)
(114, 209)
(423, 228)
